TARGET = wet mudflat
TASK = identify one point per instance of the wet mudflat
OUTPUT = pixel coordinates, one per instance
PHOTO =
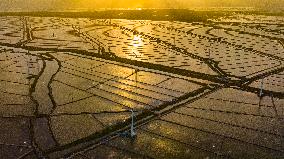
(198, 90)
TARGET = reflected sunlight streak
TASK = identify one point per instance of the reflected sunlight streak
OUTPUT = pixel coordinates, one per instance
(136, 44)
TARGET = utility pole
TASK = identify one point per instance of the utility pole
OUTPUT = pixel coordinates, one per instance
(261, 87)
(209, 50)
(132, 132)
(261, 92)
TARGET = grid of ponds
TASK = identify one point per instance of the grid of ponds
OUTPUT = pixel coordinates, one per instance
(198, 90)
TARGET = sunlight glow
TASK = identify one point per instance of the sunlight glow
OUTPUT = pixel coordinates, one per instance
(87, 5)
(135, 45)
(137, 41)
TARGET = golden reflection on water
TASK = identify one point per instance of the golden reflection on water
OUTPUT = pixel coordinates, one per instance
(136, 44)
(137, 41)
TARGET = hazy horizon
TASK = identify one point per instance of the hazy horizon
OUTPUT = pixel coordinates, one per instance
(63, 5)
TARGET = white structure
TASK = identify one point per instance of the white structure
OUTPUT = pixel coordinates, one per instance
(132, 132)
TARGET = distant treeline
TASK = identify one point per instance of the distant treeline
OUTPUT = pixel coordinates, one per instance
(184, 15)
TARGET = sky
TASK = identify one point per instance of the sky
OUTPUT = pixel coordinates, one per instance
(62, 5)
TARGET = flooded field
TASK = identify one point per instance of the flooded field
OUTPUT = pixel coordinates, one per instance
(117, 88)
